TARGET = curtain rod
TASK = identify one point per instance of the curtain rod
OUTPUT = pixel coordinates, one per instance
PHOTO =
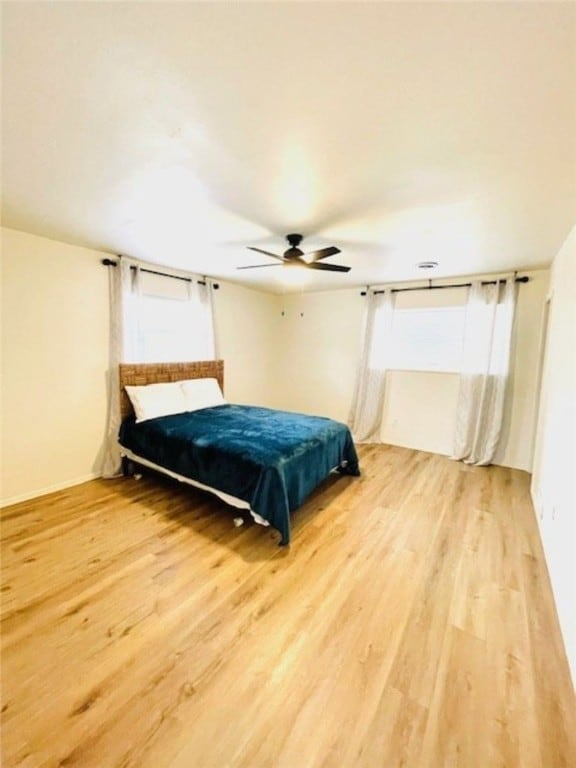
(524, 279)
(111, 263)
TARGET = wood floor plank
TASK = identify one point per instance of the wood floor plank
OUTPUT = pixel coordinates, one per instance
(456, 728)
(410, 623)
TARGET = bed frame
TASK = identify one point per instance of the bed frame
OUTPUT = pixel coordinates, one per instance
(139, 374)
(335, 450)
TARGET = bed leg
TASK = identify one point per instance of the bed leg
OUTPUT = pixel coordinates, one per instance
(128, 467)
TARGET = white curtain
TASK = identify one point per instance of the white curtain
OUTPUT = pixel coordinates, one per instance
(206, 318)
(485, 373)
(129, 310)
(153, 319)
(365, 419)
(123, 302)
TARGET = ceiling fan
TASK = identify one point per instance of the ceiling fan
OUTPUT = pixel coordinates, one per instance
(295, 257)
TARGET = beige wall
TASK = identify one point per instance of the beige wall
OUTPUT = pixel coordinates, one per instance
(319, 344)
(55, 357)
(554, 479)
(247, 336)
(321, 337)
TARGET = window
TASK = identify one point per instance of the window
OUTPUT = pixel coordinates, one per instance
(427, 339)
(443, 331)
(173, 319)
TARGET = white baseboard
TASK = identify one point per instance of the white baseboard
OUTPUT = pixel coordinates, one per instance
(49, 489)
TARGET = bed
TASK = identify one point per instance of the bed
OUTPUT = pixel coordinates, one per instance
(260, 459)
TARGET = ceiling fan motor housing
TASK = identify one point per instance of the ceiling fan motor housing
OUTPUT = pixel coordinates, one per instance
(293, 252)
(294, 240)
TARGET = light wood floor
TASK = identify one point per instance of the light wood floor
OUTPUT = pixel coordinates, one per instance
(409, 624)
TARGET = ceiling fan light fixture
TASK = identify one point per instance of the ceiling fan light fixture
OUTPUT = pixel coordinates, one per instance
(293, 253)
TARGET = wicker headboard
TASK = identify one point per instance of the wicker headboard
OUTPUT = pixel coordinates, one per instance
(139, 374)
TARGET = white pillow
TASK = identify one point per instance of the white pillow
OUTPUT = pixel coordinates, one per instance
(153, 400)
(202, 393)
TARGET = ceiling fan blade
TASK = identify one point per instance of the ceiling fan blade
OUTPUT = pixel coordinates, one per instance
(328, 267)
(259, 266)
(266, 253)
(321, 253)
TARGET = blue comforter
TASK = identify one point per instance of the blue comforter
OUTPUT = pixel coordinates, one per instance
(271, 459)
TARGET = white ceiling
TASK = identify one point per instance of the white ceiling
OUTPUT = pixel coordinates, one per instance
(182, 132)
